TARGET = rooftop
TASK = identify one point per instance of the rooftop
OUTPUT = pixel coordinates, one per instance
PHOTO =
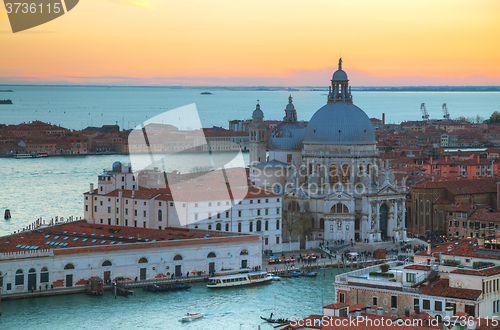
(83, 234)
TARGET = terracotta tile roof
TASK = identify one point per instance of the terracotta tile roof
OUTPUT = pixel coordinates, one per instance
(442, 200)
(462, 186)
(83, 234)
(442, 288)
(337, 305)
(356, 306)
(490, 271)
(418, 267)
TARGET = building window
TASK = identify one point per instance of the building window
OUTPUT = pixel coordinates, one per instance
(266, 225)
(239, 227)
(19, 277)
(438, 306)
(259, 225)
(375, 301)
(227, 226)
(251, 201)
(95, 208)
(227, 214)
(426, 304)
(109, 209)
(277, 240)
(266, 241)
(410, 277)
(277, 224)
(289, 158)
(278, 210)
(159, 215)
(218, 226)
(86, 208)
(44, 275)
(144, 213)
(394, 301)
(239, 214)
(250, 227)
(341, 297)
(209, 227)
(258, 212)
(266, 211)
(135, 212)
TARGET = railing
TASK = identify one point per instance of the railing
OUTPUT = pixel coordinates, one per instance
(26, 254)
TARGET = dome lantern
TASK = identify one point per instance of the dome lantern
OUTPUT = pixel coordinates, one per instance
(340, 90)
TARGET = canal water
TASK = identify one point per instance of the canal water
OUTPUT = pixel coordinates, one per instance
(233, 308)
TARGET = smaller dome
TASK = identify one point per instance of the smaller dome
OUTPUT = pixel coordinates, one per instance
(289, 106)
(257, 112)
(340, 75)
(287, 136)
(117, 167)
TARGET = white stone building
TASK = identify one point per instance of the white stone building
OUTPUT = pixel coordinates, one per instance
(333, 182)
(72, 254)
(120, 199)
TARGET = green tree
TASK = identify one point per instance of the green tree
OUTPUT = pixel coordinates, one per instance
(495, 118)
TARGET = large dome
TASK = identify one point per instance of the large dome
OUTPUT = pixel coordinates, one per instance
(352, 123)
(287, 136)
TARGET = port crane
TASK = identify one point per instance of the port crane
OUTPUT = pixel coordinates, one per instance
(425, 115)
(446, 114)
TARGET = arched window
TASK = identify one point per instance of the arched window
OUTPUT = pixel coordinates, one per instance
(244, 253)
(259, 225)
(218, 226)
(339, 208)
(178, 257)
(266, 225)
(19, 277)
(44, 275)
(334, 176)
(107, 263)
(369, 169)
(346, 174)
(421, 213)
(250, 227)
(69, 266)
(321, 223)
(239, 227)
(293, 206)
(211, 255)
(159, 215)
(361, 170)
(227, 226)
(209, 227)
(143, 260)
(427, 210)
(32, 270)
(277, 225)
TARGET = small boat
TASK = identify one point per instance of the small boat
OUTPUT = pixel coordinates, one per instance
(192, 316)
(274, 277)
(270, 320)
(166, 288)
(310, 274)
(5, 101)
(205, 93)
(291, 274)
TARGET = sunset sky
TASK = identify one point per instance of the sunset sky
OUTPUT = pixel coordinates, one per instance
(289, 43)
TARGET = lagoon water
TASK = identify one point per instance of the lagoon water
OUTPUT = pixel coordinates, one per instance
(53, 186)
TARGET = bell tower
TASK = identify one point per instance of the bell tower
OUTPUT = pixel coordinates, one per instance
(257, 130)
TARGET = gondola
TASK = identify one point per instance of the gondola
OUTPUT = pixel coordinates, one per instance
(166, 288)
(310, 274)
(270, 320)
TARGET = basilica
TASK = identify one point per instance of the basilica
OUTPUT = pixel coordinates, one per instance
(333, 183)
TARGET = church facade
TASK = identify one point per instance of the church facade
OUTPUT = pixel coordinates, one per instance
(333, 183)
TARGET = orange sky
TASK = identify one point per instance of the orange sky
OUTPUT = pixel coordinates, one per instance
(290, 42)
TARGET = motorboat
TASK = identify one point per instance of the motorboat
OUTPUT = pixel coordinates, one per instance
(192, 316)
(273, 276)
(239, 280)
(271, 320)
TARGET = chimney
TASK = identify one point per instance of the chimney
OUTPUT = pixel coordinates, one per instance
(383, 118)
(449, 313)
(478, 159)
(380, 311)
(417, 309)
(429, 247)
(431, 161)
(480, 242)
(91, 188)
(407, 311)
